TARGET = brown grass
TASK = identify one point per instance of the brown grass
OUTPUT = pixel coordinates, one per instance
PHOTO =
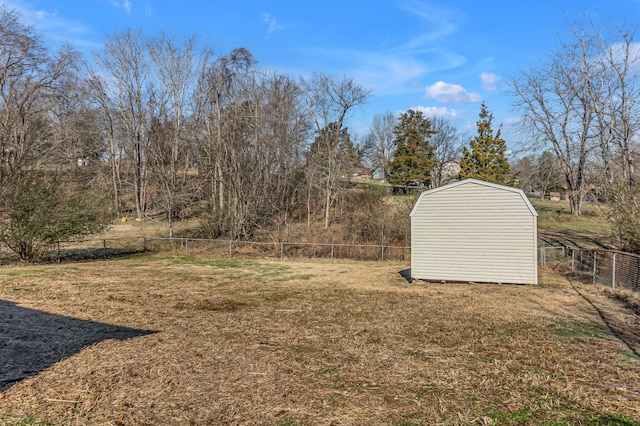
(317, 342)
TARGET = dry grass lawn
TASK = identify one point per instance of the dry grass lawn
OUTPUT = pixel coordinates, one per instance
(182, 340)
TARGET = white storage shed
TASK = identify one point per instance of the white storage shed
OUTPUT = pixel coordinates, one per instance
(474, 231)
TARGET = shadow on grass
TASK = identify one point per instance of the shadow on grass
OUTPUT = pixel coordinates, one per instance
(32, 340)
(73, 255)
(406, 274)
(626, 332)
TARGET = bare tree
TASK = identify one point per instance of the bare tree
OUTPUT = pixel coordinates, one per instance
(585, 102)
(548, 175)
(126, 66)
(558, 113)
(76, 125)
(379, 142)
(330, 101)
(264, 140)
(29, 82)
(619, 112)
(523, 172)
(448, 143)
(252, 129)
(220, 84)
(282, 132)
(176, 65)
(110, 133)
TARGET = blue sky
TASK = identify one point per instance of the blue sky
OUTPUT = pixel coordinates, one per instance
(442, 57)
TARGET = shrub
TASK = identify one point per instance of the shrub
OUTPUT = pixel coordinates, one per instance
(624, 214)
(41, 208)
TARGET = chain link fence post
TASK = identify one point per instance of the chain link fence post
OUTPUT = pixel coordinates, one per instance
(573, 259)
(613, 270)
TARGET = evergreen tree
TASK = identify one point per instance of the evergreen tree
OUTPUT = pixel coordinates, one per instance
(413, 158)
(486, 159)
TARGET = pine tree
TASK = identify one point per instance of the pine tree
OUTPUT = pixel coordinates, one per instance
(413, 158)
(486, 159)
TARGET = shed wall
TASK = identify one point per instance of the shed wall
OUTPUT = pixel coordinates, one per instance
(474, 232)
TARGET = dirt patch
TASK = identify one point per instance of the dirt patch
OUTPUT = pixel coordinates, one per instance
(318, 342)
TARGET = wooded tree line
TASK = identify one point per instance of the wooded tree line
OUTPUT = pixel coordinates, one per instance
(162, 125)
(166, 126)
(582, 106)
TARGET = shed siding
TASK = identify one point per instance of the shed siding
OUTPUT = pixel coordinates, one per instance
(474, 232)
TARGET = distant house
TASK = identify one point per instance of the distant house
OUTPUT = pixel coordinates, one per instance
(362, 174)
(445, 173)
(474, 231)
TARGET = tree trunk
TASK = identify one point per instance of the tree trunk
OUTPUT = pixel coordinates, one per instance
(138, 180)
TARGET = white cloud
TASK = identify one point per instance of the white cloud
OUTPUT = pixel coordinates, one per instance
(441, 21)
(42, 14)
(489, 81)
(400, 65)
(386, 73)
(397, 66)
(126, 4)
(437, 112)
(617, 53)
(56, 29)
(448, 93)
(272, 23)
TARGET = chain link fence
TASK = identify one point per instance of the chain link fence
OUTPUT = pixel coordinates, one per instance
(610, 268)
(606, 267)
(106, 248)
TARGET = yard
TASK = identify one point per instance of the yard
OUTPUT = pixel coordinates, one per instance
(183, 340)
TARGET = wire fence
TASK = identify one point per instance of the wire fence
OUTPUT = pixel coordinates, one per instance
(610, 268)
(106, 248)
(606, 267)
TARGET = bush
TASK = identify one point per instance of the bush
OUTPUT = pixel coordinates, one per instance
(624, 214)
(39, 209)
(374, 217)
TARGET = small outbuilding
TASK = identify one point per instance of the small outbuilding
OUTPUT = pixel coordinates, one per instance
(474, 231)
